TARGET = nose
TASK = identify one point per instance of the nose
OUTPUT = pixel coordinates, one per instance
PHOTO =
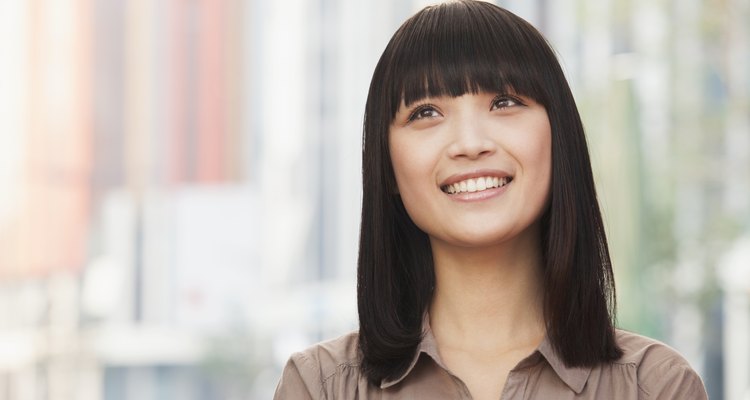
(469, 139)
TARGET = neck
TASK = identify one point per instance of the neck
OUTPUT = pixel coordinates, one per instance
(488, 297)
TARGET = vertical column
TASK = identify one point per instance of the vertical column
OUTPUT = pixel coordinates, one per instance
(233, 69)
(14, 120)
(690, 144)
(139, 122)
(177, 122)
(210, 100)
(737, 143)
(287, 149)
(139, 90)
(58, 140)
(734, 278)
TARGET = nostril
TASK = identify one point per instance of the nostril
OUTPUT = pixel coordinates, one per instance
(471, 148)
(471, 155)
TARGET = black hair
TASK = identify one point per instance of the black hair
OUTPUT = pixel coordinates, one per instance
(452, 49)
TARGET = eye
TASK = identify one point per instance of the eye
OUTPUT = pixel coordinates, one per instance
(424, 111)
(505, 101)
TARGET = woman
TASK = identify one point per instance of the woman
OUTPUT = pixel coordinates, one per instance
(483, 266)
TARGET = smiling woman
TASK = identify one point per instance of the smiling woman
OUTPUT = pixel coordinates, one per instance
(480, 161)
(483, 268)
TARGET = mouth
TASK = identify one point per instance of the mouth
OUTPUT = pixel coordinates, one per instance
(478, 184)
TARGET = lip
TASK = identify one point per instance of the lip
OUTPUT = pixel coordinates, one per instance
(480, 195)
(474, 174)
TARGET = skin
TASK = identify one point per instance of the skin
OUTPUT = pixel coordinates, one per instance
(486, 312)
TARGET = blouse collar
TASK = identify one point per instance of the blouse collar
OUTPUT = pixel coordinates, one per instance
(574, 377)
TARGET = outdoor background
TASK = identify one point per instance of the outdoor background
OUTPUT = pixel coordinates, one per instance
(180, 189)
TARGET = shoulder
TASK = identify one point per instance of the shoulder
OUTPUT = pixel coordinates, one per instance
(322, 370)
(661, 371)
(647, 353)
(332, 355)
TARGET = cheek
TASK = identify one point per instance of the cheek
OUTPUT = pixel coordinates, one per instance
(411, 165)
(400, 166)
(543, 156)
(412, 168)
(534, 153)
(538, 146)
(407, 184)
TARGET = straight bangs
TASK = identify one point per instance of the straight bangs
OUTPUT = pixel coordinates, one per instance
(452, 51)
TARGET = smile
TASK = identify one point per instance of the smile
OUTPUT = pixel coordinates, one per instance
(476, 184)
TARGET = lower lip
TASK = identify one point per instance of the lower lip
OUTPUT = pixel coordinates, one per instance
(480, 195)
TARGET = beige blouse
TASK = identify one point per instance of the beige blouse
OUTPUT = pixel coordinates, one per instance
(647, 370)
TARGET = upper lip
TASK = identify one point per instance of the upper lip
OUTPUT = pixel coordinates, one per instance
(474, 174)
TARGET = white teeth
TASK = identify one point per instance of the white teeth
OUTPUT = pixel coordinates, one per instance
(476, 184)
(480, 184)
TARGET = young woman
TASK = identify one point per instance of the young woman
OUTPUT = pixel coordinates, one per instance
(483, 266)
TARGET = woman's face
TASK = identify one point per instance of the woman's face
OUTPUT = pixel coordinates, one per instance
(472, 170)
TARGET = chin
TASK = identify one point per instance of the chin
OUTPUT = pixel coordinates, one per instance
(480, 239)
(500, 236)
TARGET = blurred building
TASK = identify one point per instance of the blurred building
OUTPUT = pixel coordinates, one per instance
(181, 183)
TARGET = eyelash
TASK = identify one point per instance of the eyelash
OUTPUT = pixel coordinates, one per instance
(422, 107)
(505, 97)
(501, 97)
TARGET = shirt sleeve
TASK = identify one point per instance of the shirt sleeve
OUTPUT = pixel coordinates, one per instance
(300, 379)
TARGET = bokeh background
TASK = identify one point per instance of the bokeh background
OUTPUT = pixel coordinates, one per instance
(180, 189)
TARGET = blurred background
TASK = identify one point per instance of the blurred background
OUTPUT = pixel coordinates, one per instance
(180, 184)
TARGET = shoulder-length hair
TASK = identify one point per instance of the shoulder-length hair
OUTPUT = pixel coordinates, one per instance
(452, 49)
